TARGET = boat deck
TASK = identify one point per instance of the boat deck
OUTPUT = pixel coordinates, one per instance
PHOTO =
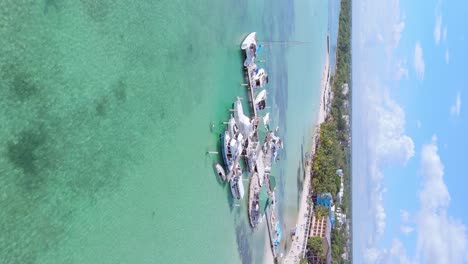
(254, 191)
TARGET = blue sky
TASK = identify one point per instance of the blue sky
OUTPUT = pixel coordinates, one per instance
(410, 131)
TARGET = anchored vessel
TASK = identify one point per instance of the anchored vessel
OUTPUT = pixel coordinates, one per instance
(220, 172)
(249, 45)
(237, 187)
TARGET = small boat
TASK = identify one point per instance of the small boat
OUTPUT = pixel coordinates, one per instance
(220, 171)
(260, 77)
(260, 100)
(260, 97)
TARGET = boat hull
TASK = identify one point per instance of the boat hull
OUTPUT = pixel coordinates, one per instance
(220, 172)
(251, 38)
(224, 150)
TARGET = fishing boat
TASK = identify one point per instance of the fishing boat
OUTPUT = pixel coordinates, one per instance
(250, 46)
(237, 187)
(220, 171)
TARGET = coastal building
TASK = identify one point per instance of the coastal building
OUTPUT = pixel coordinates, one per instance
(341, 192)
(321, 227)
(339, 215)
(345, 89)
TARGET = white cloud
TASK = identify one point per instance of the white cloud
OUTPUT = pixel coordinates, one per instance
(441, 238)
(447, 56)
(387, 144)
(418, 124)
(406, 229)
(398, 253)
(388, 23)
(455, 109)
(401, 70)
(395, 254)
(437, 29)
(418, 61)
(380, 26)
(444, 35)
(372, 255)
(405, 216)
(391, 142)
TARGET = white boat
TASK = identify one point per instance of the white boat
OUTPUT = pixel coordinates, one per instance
(266, 119)
(260, 97)
(260, 77)
(237, 186)
(250, 39)
(250, 46)
(232, 144)
(220, 171)
(245, 125)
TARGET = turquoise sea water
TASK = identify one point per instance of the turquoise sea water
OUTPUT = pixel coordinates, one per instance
(105, 113)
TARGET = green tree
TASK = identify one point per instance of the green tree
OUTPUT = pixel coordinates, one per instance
(315, 244)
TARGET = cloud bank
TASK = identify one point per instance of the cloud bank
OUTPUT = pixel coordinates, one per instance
(418, 61)
(455, 109)
(441, 238)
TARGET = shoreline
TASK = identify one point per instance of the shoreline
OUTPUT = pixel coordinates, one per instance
(298, 245)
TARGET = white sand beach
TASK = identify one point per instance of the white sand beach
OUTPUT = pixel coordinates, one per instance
(299, 243)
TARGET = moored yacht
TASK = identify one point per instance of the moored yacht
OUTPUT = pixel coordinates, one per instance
(250, 46)
(236, 184)
(260, 77)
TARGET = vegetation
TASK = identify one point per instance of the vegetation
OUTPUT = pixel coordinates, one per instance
(338, 243)
(333, 148)
(321, 211)
(315, 245)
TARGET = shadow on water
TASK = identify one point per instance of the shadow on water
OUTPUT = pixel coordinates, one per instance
(243, 244)
(21, 85)
(49, 5)
(30, 152)
(300, 182)
(96, 10)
